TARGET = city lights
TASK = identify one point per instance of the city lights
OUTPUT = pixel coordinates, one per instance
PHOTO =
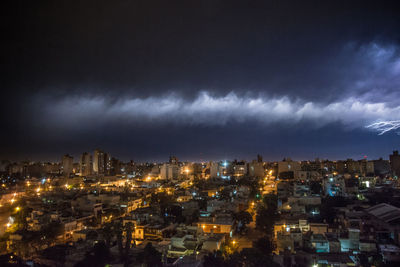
(201, 133)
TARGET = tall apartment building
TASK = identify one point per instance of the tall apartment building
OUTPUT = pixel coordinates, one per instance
(101, 163)
(98, 162)
(86, 164)
(67, 164)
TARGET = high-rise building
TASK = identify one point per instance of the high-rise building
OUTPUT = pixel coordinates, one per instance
(395, 163)
(86, 164)
(101, 163)
(67, 164)
(115, 166)
(98, 162)
(107, 164)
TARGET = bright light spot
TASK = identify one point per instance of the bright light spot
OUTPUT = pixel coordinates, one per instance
(383, 127)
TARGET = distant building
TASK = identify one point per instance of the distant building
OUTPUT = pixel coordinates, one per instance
(67, 165)
(169, 171)
(102, 164)
(239, 169)
(363, 167)
(86, 164)
(98, 162)
(288, 168)
(366, 167)
(220, 169)
(381, 167)
(395, 163)
(173, 160)
(256, 169)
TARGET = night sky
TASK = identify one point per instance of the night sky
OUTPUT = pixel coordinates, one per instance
(202, 80)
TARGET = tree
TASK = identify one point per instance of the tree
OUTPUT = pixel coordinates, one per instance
(107, 232)
(265, 246)
(150, 256)
(118, 229)
(98, 256)
(267, 214)
(129, 229)
(214, 260)
(243, 218)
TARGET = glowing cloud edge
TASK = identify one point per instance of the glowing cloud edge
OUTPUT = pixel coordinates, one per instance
(385, 126)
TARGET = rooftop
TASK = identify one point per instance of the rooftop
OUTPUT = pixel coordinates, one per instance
(385, 212)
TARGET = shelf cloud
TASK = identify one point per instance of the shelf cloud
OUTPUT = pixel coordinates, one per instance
(208, 110)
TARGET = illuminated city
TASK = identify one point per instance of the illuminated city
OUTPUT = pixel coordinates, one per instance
(209, 133)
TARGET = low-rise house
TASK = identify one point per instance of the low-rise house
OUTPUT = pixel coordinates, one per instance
(319, 228)
(385, 216)
(320, 243)
(213, 242)
(389, 253)
(220, 225)
(284, 242)
(367, 246)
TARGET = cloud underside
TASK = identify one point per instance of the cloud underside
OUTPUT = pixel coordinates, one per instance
(209, 110)
(366, 100)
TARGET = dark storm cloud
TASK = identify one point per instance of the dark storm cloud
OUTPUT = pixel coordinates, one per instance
(370, 95)
(76, 72)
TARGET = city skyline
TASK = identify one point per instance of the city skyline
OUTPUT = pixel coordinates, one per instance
(76, 158)
(211, 133)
